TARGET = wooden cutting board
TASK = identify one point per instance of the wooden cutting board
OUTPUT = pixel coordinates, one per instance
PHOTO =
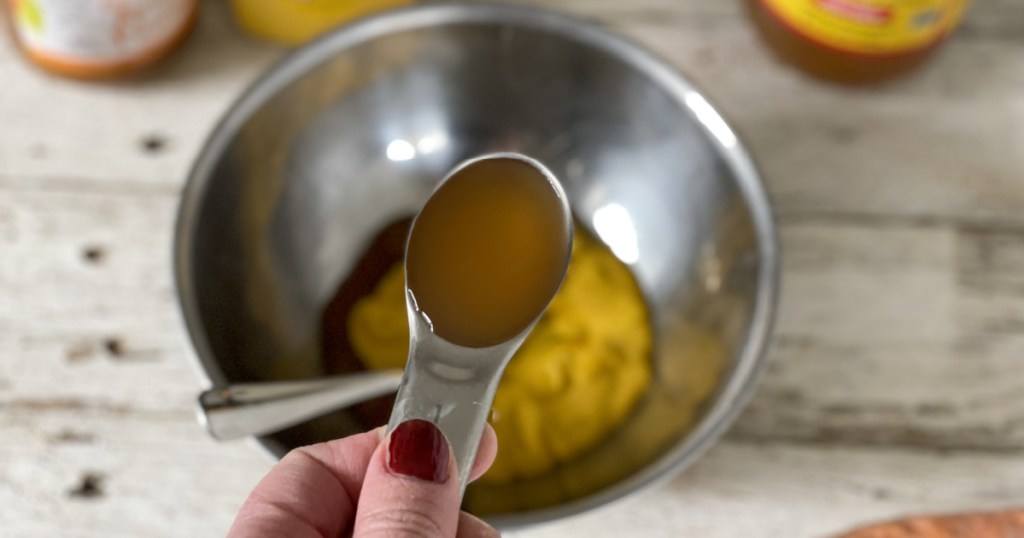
(1008, 524)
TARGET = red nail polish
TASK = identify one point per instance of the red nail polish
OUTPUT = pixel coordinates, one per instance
(417, 448)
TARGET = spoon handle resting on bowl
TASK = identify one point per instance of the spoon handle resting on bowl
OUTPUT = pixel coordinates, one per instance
(241, 410)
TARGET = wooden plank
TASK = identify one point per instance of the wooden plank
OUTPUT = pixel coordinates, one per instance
(907, 149)
(87, 292)
(142, 129)
(741, 489)
(911, 148)
(894, 334)
(94, 373)
(879, 322)
(157, 478)
(127, 420)
(154, 473)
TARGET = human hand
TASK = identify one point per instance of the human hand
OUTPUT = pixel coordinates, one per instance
(367, 486)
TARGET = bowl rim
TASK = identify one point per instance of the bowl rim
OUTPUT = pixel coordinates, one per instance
(748, 364)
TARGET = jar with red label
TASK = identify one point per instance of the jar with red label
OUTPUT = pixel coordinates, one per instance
(856, 41)
(97, 38)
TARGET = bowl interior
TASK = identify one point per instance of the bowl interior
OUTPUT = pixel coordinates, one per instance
(351, 134)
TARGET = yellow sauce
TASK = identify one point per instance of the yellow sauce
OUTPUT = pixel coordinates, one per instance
(573, 382)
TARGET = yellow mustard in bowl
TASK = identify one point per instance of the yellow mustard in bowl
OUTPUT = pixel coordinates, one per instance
(575, 379)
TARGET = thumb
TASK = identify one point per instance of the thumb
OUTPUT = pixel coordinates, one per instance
(411, 487)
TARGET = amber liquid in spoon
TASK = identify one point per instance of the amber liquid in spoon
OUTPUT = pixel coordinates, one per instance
(487, 252)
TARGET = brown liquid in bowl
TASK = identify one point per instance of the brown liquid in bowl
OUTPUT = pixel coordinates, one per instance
(487, 252)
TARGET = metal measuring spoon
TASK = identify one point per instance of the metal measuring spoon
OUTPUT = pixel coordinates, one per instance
(453, 385)
(448, 384)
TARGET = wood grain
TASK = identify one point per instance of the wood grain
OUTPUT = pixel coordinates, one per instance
(103, 131)
(894, 386)
(911, 149)
(895, 334)
(742, 489)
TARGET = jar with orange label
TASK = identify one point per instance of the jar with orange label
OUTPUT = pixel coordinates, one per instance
(856, 41)
(98, 38)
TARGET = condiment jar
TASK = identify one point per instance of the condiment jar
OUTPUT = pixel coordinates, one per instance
(856, 41)
(293, 22)
(98, 38)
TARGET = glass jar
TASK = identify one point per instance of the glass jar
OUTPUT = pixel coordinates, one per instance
(856, 41)
(98, 38)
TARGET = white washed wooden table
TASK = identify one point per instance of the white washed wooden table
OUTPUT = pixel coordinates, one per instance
(896, 382)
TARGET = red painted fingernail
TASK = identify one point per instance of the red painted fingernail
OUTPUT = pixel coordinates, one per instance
(417, 448)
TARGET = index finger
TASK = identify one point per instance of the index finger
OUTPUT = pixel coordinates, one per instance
(312, 491)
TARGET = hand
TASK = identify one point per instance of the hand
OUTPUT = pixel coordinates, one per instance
(365, 485)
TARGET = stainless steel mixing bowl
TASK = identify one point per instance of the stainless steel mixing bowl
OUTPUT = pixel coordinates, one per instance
(352, 131)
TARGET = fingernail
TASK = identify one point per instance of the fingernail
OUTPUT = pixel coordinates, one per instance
(417, 448)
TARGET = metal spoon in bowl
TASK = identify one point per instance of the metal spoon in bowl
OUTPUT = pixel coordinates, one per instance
(485, 256)
(244, 409)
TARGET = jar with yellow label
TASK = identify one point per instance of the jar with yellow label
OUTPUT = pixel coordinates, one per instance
(856, 41)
